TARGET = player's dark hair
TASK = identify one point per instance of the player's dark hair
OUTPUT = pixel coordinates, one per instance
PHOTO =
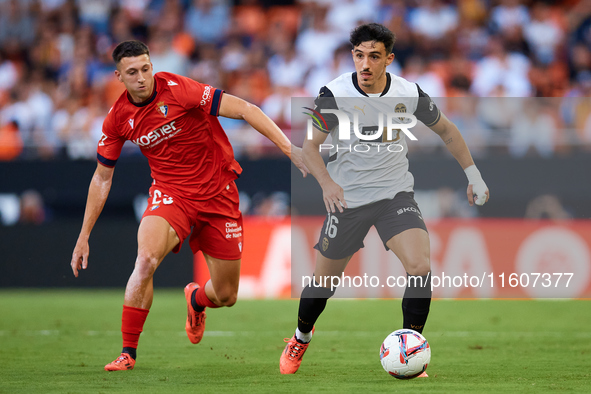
(373, 32)
(131, 48)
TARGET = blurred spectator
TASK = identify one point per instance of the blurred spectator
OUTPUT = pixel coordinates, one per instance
(234, 55)
(18, 112)
(165, 58)
(417, 71)
(319, 76)
(208, 20)
(316, 43)
(207, 66)
(462, 112)
(41, 108)
(8, 73)
(542, 34)
(278, 106)
(72, 124)
(472, 39)
(433, 19)
(345, 15)
(285, 69)
(533, 130)
(546, 206)
(509, 14)
(501, 68)
(32, 208)
(11, 143)
(17, 27)
(95, 13)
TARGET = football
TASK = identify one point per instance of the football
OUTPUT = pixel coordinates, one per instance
(405, 354)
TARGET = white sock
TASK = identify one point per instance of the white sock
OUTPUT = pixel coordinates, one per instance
(304, 337)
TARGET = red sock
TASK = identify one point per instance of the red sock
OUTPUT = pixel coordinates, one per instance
(132, 323)
(202, 300)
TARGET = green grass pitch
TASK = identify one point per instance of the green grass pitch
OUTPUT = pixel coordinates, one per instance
(58, 342)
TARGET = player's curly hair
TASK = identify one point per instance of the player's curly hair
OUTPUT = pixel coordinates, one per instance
(131, 48)
(373, 32)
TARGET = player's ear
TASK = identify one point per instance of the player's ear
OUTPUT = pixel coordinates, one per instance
(118, 75)
(389, 59)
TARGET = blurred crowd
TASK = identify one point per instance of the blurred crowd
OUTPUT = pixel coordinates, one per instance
(57, 82)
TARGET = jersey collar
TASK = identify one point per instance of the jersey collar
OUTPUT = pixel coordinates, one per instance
(386, 88)
(148, 101)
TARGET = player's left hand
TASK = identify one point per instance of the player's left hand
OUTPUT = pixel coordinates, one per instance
(298, 160)
(80, 256)
(479, 190)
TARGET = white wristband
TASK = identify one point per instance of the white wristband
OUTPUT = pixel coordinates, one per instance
(478, 186)
(473, 174)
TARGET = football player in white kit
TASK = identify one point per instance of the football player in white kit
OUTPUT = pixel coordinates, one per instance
(367, 183)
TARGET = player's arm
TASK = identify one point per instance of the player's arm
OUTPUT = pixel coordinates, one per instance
(332, 194)
(456, 145)
(237, 108)
(100, 185)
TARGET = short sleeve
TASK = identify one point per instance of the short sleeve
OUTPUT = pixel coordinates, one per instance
(110, 143)
(427, 112)
(325, 100)
(193, 94)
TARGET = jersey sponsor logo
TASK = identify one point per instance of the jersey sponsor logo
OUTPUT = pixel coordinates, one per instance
(233, 230)
(131, 123)
(409, 209)
(206, 95)
(102, 139)
(360, 109)
(155, 137)
(400, 109)
(162, 109)
(172, 83)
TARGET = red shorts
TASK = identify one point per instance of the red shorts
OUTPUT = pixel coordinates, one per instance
(216, 223)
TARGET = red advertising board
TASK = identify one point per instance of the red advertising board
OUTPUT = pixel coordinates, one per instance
(482, 258)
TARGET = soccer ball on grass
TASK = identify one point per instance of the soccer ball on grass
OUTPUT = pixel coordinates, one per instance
(405, 354)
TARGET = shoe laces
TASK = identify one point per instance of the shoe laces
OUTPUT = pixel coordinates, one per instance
(120, 359)
(295, 348)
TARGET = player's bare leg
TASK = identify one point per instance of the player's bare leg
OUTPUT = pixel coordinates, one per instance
(413, 250)
(312, 303)
(412, 247)
(156, 238)
(220, 290)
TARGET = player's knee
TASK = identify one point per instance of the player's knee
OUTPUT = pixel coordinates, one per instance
(227, 297)
(420, 265)
(146, 265)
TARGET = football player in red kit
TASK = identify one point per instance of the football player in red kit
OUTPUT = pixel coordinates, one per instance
(173, 120)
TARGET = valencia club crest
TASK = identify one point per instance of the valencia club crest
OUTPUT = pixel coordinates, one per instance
(162, 108)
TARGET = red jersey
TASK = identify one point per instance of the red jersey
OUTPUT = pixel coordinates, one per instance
(178, 131)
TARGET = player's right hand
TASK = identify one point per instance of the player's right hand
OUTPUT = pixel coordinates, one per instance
(80, 256)
(334, 196)
(298, 160)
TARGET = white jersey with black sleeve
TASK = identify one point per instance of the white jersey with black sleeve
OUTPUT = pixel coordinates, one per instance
(370, 171)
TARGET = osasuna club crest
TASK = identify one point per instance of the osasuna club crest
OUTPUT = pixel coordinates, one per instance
(162, 108)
